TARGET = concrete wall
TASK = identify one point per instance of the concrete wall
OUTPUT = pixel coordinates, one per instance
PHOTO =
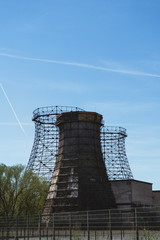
(132, 193)
(156, 198)
(122, 192)
(141, 193)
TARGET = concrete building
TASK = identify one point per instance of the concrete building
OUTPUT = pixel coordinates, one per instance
(134, 193)
(156, 198)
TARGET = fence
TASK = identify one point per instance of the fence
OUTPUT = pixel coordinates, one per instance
(114, 224)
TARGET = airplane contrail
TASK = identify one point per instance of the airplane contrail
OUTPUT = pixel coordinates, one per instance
(76, 64)
(19, 123)
(15, 123)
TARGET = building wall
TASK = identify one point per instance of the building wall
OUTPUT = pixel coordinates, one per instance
(122, 192)
(130, 193)
(156, 198)
(141, 193)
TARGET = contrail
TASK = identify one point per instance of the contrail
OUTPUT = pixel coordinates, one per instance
(19, 123)
(81, 65)
(15, 123)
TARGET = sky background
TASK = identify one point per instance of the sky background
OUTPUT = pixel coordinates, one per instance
(101, 56)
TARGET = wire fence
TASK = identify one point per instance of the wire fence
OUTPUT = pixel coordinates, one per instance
(114, 224)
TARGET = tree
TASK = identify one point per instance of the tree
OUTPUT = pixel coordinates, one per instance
(21, 192)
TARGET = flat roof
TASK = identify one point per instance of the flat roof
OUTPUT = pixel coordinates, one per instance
(130, 180)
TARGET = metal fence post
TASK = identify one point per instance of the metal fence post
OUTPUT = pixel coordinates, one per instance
(39, 227)
(88, 233)
(27, 227)
(70, 226)
(2, 233)
(110, 225)
(17, 227)
(7, 225)
(53, 226)
(136, 224)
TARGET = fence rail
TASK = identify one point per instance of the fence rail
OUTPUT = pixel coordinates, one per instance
(114, 224)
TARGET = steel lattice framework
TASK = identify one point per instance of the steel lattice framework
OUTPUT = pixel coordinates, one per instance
(46, 141)
(114, 153)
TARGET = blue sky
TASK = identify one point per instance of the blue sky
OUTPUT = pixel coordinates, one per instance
(101, 56)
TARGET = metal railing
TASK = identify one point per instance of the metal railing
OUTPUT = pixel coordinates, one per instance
(114, 224)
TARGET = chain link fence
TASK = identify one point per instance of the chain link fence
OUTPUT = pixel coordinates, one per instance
(114, 224)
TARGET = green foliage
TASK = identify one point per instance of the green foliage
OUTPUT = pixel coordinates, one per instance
(21, 192)
(149, 235)
(75, 237)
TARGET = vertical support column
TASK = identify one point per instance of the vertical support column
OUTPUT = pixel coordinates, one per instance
(70, 226)
(27, 227)
(88, 230)
(121, 226)
(2, 233)
(136, 223)
(7, 227)
(53, 226)
(39, 227)
(17, 227)
(110, 225)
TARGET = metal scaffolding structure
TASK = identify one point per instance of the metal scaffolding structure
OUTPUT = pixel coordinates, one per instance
(45, 147)
(114, 153)
(46, 140)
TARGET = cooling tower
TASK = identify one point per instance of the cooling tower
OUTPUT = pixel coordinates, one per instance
(45, 146)
(79, 180)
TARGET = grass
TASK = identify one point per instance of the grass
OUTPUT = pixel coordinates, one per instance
(148, 235)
